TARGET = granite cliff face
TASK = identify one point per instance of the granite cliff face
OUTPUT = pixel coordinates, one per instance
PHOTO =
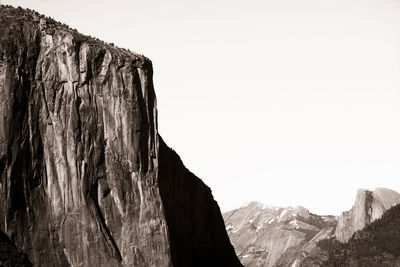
(272, 236)
(377, 245)
(80, 157)
(369, 206)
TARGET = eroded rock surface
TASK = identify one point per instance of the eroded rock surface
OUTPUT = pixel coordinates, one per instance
(79, 154)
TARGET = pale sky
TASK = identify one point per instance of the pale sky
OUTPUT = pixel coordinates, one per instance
(286, 102)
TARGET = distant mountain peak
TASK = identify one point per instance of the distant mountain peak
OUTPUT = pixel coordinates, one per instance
(369, 206)
(256, 204)
(262, 233)
(265, 235)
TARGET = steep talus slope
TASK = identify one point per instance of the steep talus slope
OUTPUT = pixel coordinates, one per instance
(79, 154)
(273, 236)
(369, 206)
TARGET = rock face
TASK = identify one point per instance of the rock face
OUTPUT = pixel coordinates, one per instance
(377, 245)
(80, 159)
(204, 241)
(369, 206)
(9, 254)
(271, 236)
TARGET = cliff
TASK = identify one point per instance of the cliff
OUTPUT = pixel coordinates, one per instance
(378, 244)
(187, 199)
(360, 234)
(369, 206)
(84, 178)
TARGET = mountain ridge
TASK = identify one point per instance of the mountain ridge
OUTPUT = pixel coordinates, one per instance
(312, 238)
(262, 234)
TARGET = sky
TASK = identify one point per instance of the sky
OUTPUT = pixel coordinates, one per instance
(285, 102)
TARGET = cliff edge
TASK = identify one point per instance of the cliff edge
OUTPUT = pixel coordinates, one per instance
(80, 157)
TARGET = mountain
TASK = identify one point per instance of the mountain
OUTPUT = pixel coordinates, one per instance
(272, 236)
(85, 178)
(377, 245)
(369, 206)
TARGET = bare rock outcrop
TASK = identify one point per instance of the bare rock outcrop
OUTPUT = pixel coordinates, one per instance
(369, 206)
(79, 155)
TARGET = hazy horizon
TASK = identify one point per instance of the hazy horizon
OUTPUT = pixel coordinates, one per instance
(283, 102)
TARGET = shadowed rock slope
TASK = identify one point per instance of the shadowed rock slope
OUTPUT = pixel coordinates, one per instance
(187, 199)
(9, 255)
(80, 157)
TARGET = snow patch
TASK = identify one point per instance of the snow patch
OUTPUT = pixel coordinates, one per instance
(271, 220)
(254, 217)
(245, 205)
(263, 206)
(229, 227)
(295, 263)
(295, 224)
(246, 256)
(282, 214)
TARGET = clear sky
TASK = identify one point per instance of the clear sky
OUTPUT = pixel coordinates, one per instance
(287, 102)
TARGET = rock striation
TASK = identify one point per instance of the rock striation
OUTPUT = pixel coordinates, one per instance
(369, 206)
(80, 156)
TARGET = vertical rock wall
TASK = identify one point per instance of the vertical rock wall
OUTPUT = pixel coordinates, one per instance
(369, 206)
(78, 149)
(80, 181)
